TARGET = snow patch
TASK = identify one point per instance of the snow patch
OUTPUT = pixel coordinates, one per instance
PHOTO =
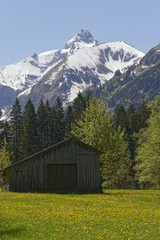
(25, 92)
(82, 54)
(76, 88)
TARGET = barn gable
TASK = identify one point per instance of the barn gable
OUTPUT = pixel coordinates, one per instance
(70, 166)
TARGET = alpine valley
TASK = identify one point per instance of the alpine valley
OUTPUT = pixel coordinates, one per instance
(114, 70)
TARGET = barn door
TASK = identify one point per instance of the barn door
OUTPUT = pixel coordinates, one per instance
(62, 177)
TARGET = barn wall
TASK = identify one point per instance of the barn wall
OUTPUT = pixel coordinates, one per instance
(88, 173)
(88, 170)
(27, 176)
(32, 174)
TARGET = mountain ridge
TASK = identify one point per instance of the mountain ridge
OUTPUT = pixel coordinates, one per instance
(138, 84)
(83, 62)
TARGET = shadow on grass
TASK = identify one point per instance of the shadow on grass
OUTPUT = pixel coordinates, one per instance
(63, 192)
(12, 231)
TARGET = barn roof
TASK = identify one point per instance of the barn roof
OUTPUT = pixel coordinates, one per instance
(55, 146)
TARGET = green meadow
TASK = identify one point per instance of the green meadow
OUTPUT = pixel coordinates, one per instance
(116, 214)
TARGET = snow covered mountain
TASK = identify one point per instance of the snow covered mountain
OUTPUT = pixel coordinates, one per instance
(140, 83)
(64, 73)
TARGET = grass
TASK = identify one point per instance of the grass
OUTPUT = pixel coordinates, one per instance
(117, 214)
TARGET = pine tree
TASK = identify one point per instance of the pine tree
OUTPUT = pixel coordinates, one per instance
(59, 121)
(15, 131)
(6, 131)
(79, 105)
(68, 121)
(132, 130)
(132, 120)
(41, 126)
(48, 126)
(120, 118)
(29, 135)
(143, 114)
(53, 126)
(131, 138)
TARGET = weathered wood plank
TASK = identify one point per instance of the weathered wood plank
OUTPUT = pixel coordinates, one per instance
(32, 174)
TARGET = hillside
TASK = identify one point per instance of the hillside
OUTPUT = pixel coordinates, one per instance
(139, 83)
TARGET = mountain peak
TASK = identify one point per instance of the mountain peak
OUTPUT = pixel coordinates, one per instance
(83, 36)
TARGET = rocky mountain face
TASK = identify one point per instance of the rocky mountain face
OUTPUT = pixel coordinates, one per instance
(82, 63)
(139, 83)
(19, 78)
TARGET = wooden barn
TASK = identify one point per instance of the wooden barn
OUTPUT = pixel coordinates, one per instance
(69, 166)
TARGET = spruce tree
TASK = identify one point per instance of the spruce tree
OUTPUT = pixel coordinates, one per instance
(143, 114)
(6, 131)
(53, 127)
(132, 120)
(120, 118)
(59, 121)
(132, 139)
(48, 125)
(79, 105)
(15, 131)
(41, 126)
(68, 121)
(29, 137)
(132, 130)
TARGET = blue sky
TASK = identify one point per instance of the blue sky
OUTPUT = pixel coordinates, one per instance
(35, 26)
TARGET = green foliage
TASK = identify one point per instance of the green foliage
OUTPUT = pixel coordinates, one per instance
(49, 126)
(41, 126)
(29, 134)
(89, 128)
(79, 105)
(131, 121)
(120, 118)
(68, 121)
(59, 121)
(96, 128)
(4, 162)
(15, 131)
(5, 131)
(148, 153)
(88, 119)
(143, 113)
(154, 104)
(132, 129)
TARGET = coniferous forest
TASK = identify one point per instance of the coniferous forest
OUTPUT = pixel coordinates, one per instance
(128, 138)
